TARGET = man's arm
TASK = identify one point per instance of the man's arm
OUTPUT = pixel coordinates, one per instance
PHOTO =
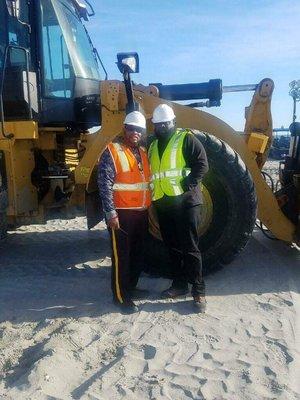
(196, 159)
(106, 178)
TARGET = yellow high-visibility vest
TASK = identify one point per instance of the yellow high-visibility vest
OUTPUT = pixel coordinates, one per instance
(168, 172)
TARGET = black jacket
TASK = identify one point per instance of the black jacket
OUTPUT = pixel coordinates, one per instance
(196, 159)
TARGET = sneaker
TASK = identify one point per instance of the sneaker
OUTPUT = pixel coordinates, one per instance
(199, 303)
(139, 294)
(128, 307)
(173, 292)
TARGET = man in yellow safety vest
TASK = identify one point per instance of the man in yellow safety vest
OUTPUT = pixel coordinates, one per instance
(178, 163)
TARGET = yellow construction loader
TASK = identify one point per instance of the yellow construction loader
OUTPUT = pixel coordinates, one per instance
(51, 95)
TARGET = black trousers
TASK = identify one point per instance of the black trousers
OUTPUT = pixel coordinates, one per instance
(127, 252)
(179, 229)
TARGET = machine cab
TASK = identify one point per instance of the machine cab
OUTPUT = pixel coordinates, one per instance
(48, 66)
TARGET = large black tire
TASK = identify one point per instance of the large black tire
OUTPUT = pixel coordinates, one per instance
(234, 205)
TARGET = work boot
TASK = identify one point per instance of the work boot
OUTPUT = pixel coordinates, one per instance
(139, 294)
(199, 303)
(127, 307)
(174, 292)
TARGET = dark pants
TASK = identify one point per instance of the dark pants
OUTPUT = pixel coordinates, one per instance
(127, 252)
(179, 229)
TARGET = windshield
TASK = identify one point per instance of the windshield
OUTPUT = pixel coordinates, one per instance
(66, 45)
(77, 41)
(2, 33)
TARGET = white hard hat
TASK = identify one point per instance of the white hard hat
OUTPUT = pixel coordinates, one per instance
(135, 118)
(163, 113)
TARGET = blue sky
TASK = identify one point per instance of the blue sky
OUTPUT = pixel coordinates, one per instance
(183, 41)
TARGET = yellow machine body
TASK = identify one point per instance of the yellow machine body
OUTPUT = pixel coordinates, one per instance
(50, 102)
(251, 146)
(24, 136)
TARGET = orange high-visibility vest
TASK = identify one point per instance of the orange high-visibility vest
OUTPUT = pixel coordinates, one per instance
(131, 188)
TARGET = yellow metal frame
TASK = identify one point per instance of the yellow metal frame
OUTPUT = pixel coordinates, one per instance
(19, 159)
(113, 112)
(252, 146)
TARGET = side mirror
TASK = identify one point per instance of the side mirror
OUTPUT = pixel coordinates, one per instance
(128, 62)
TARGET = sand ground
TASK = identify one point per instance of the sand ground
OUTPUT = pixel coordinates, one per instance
(61, 337)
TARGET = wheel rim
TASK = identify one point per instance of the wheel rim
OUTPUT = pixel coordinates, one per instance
(207, 210)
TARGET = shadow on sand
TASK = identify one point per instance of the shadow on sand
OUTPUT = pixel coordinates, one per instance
(63, 274)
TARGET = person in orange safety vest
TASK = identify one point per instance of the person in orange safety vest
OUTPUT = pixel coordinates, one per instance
(123, 182)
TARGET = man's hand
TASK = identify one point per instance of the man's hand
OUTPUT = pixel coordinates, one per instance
(113, 223)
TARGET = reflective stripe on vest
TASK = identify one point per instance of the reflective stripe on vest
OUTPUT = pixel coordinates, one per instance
(122, 157)
(169, 171)
(131, 188)
(171, 174)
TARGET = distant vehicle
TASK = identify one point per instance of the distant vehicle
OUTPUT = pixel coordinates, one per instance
(280, 144)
